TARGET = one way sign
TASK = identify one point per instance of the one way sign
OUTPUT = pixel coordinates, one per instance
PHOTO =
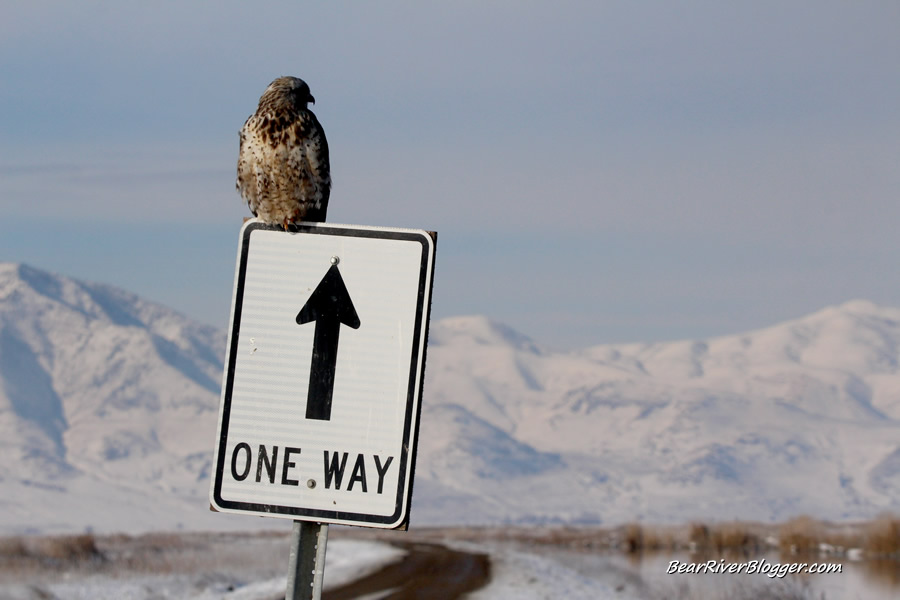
(320, 401)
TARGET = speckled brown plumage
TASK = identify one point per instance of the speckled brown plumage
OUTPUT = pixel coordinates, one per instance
(283, 172)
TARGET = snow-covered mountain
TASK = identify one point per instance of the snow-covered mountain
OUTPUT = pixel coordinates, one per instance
(802, 417)
(108, 407)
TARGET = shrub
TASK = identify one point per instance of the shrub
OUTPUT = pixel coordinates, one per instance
(12, 547)
(800, 535)
(883, 536)
(735, 537)
(66, 547)
(633, 537)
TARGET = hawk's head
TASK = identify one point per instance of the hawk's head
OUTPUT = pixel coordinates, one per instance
(287, 92)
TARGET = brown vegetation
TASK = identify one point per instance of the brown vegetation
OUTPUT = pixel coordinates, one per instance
(882, 537)
(12, 547)
(638, 538)
(69, 547)
(801, 535)
(733, 537)
(34, 561)
(63, 548)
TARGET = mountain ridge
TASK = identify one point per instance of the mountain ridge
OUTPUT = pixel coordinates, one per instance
(675, 430)
(108, 408)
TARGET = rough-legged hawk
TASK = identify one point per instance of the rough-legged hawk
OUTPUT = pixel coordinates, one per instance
(283, 172)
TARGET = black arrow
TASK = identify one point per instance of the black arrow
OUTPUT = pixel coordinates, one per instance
(329, 306)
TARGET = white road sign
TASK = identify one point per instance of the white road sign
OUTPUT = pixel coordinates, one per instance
(320, 402)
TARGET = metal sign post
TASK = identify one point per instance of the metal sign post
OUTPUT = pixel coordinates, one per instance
(306, 566)
(320, 405)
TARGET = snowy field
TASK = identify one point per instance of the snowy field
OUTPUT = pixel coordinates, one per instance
(201, 573)
(253, 567)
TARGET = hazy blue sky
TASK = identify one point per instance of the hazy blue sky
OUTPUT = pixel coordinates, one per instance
(597, 171)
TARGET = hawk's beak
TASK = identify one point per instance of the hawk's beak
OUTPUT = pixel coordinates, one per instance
(311, 100)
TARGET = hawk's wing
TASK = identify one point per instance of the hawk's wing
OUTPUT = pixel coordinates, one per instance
(283, 170)
(319, 165)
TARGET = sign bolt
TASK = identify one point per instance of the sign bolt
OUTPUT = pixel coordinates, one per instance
(335, 260)
(311, 483)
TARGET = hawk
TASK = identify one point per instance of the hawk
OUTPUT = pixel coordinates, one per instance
(283, 172)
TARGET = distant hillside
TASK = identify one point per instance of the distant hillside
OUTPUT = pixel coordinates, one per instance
(801, 417)
(108, 407)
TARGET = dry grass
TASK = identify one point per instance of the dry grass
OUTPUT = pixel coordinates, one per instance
(64, 548)
(633, 537)
(839, 542)
(882, 537)
(734, 537)
(12, 547)
(801, 535)
(637, 538)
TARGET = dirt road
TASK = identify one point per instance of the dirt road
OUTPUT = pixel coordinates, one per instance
(429, 571)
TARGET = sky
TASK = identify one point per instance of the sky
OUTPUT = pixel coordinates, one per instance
(597, 172)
